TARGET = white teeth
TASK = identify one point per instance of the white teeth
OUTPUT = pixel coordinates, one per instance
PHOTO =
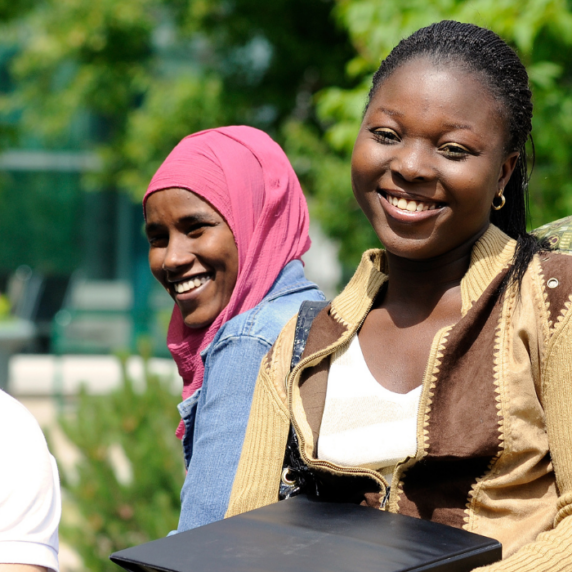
(411, 206)
(191, 284)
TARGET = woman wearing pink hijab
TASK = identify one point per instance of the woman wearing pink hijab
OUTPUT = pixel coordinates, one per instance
(227, 224)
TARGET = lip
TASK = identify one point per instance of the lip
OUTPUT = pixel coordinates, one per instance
(402, 215)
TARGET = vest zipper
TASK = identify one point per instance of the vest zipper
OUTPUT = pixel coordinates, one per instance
(385, 498)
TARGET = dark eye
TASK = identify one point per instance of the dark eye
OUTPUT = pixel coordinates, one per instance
(157, 240)
(196, 229)
(454, 151)
(386, 135)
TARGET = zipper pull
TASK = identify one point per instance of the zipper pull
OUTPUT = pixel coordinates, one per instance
(385, 498)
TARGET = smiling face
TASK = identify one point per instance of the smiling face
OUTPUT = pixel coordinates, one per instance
(192, 253)
(429, 159)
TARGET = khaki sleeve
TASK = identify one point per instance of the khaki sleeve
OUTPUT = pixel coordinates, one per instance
(257, 480)
(552, 550)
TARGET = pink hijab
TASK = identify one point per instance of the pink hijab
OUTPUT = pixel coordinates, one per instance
(248, 179)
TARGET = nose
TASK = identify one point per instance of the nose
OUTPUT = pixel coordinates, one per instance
(178, 254)
(413, 163)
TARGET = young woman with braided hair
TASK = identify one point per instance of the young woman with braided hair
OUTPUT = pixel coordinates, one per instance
(436, 384)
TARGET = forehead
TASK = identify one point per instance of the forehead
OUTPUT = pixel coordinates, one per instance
(173, 204)
(444, 93)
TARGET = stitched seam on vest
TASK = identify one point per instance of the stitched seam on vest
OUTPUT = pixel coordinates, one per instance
(551, 267)
(430, 394)
(562, 314)
(463, 433)
(554, 339)
(540, 279)
(499, 360)
(433, 364)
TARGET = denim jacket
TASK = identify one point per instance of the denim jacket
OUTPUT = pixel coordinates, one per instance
(216, 415)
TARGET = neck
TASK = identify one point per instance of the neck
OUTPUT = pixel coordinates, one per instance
(423, 283)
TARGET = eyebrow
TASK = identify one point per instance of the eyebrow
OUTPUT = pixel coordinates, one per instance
(390, 112)
(455, 126)
(449, 126)
(184, 220)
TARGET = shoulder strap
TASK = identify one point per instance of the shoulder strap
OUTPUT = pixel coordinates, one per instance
(308, 311)
(296, 477)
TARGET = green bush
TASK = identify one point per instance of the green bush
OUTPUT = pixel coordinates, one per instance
(125, 488)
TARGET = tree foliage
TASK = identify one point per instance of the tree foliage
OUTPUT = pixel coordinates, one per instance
(540, 31)
(144, 73)
(273, 57)
(125, 488)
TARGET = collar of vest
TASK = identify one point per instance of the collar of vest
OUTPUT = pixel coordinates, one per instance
(338, 323)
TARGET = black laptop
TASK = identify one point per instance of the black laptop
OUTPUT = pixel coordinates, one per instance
(307, 535)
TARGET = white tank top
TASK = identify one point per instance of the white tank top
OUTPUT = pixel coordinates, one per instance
(364, 424)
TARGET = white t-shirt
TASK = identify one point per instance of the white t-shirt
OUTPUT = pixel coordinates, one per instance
(30, 500)
(364, 424)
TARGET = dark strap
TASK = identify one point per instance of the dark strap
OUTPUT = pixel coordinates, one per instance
(296, 477)
(308, 311)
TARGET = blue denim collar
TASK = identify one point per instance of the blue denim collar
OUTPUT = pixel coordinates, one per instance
(291, 279)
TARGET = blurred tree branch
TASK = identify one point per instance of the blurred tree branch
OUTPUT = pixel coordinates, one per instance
(148, 72)
(144, 73)
(540, 31)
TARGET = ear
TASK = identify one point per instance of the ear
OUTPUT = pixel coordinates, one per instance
(506, 169)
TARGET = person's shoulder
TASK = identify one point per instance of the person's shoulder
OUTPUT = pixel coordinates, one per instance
(270, 316)
(557, 264)
(16, 420)
(29, 490)
(551, 274)
(558, 234)
(23, 446)
(282, 302)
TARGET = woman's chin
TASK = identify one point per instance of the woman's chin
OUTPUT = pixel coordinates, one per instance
(412, 246)
(202, 315)
(198, 322)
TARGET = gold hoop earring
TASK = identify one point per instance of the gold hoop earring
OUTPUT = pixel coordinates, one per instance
(503, 201)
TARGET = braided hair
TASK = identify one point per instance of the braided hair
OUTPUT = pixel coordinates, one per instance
(481, 51)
